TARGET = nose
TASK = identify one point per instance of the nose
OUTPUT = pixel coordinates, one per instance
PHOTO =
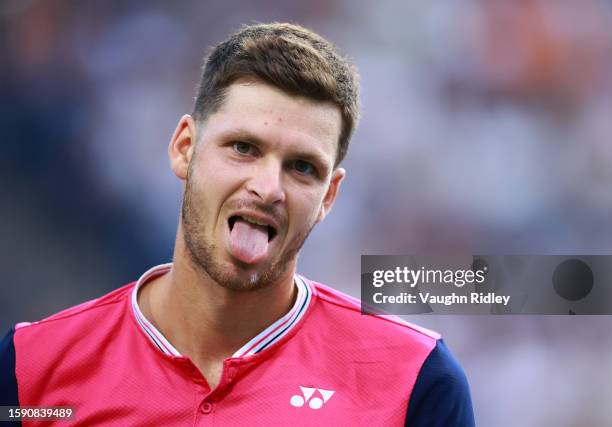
(266, 183)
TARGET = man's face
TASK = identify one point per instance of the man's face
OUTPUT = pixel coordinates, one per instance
(259, 178)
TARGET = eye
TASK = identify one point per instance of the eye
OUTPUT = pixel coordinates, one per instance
(243, 148)
(303, 167)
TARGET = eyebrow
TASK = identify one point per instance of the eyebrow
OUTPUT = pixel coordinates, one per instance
(315, 156)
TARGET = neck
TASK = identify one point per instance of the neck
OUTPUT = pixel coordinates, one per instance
(204, 320)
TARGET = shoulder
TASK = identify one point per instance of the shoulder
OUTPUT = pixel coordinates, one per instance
(74, 323)
(441, 394)
(54, 351)
(347, 307)
(437, 388)
(338, 319)
(439, 391)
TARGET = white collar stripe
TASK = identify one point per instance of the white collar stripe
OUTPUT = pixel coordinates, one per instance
(139, 317)
(284, 332)
(267, 337)
(280, 328)
(254, 344)
(151, 337)
(164, 346)
(157, 337)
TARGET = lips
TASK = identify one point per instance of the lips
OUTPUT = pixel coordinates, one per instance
(265, 224)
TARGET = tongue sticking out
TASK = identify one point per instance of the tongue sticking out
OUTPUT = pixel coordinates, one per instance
(248, 242)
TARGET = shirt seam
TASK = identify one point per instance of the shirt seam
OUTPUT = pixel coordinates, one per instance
(386, 319)
(67, 316)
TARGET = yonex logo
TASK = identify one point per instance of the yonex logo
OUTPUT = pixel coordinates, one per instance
(314, 402)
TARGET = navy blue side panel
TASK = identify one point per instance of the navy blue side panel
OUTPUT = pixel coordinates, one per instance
(441, 394)
(8, 379)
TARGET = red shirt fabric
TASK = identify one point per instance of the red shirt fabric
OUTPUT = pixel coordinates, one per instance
(323, 363)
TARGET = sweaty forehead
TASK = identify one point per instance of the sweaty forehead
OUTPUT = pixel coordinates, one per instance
(267, 110)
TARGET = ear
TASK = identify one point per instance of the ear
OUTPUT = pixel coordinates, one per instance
(332, 192)
(182, 146)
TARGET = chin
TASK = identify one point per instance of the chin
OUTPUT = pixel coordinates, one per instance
(238, 276)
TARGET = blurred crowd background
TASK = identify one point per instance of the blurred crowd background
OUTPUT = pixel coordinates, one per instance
(486, 128)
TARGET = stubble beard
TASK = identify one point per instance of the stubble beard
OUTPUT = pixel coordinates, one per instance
(201, 250)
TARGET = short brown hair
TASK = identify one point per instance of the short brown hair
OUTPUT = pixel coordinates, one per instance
(290, 57)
